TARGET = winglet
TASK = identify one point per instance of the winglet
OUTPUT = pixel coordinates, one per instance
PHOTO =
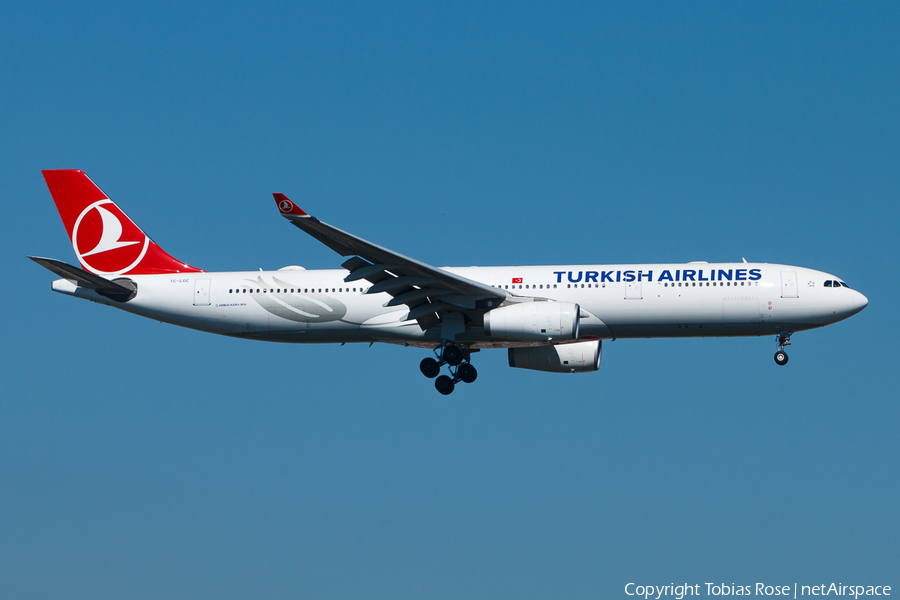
(287, 208)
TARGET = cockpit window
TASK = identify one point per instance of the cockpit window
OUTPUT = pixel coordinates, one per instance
(837, 284)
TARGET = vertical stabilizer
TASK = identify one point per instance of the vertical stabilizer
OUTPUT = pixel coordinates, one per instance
(105, 240)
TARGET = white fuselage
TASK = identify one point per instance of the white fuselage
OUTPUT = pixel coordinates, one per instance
(653, 300)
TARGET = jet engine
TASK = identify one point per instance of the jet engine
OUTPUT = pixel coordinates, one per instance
(534, 321)
(580, 357)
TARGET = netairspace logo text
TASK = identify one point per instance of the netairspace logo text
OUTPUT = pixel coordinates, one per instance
(678, 592)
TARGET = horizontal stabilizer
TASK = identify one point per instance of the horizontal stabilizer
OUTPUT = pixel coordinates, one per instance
(121, 291)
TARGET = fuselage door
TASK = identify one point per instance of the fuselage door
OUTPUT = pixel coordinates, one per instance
(201, 292)
(633, 290)
(788, 284)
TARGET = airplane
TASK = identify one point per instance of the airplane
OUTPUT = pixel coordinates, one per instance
(549, 318)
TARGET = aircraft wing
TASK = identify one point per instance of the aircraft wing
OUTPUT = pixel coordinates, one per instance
(428, 291)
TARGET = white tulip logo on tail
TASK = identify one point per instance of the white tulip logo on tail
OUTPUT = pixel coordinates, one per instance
(106, 241)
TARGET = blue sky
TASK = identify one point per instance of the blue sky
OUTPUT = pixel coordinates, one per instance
(140, 460)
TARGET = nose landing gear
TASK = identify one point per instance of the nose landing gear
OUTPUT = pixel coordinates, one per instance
(781, 340)
(460, 368)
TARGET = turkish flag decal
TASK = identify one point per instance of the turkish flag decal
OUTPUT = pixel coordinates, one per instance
(517, 280)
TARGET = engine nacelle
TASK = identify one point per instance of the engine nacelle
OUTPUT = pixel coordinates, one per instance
(534, 322)
(580, 357)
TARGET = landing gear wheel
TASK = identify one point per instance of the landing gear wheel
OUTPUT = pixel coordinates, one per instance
(466, 373)
(429, 367)
(452, 355)
(444, 385)
(781, 357)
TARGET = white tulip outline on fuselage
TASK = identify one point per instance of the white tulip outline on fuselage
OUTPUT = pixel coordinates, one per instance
(550, 318)
(278, 304)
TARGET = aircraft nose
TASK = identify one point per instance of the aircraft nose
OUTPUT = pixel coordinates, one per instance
(857, 302)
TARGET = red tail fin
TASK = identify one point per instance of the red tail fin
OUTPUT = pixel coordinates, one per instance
(105, 240)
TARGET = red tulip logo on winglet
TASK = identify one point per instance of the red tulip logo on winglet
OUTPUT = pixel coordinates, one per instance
(286, 207)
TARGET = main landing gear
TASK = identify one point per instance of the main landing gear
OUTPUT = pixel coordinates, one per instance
(782, 339)
(460, 368)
